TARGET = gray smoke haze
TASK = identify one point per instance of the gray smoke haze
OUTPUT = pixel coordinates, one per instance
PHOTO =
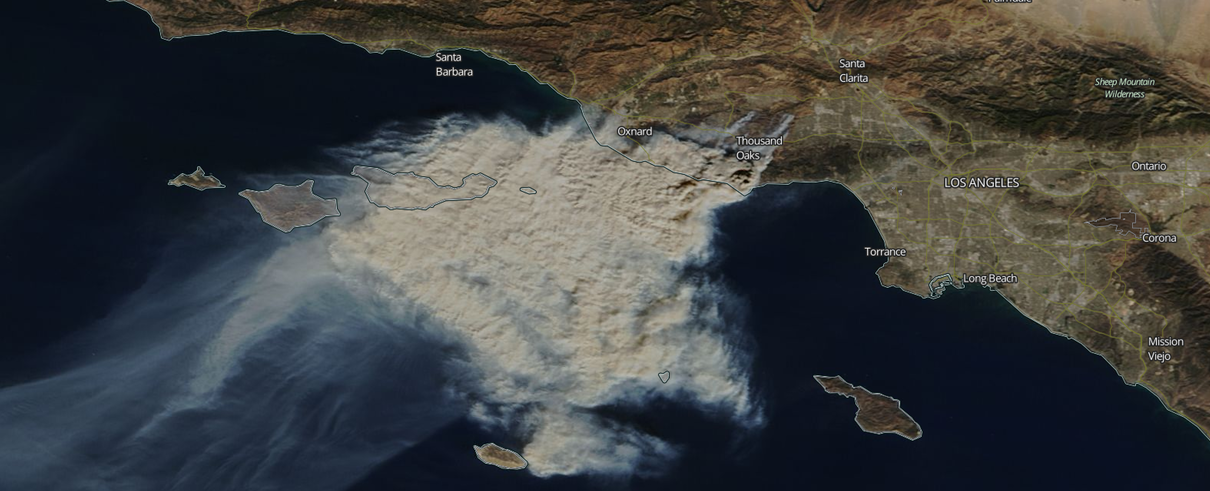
(568, 300)
(301, 361)
(255, 373)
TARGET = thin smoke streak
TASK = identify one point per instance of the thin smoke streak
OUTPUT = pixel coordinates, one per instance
(302, 361)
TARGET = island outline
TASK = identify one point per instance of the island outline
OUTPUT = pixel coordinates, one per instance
(495, 455)
(253, 196)
(851, 393)
(198, 180)
(462, 184)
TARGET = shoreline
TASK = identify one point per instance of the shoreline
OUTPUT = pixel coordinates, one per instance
(856, 402)
(1205, 432)
(461, 185)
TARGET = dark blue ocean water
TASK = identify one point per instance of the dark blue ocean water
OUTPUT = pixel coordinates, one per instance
(100, 113)
(1003, 403)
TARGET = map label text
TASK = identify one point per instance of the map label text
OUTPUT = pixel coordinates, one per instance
(624, 131)
(744, 141)
(846, 78)
(990, 278)
(1148, 166)
(1154, 341)
(854, 79)
(747, 155)
(455, 72)
(871, 252)
(982, 182)
(1160, 238)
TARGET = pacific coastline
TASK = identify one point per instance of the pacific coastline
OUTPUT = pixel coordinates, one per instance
(971, 365)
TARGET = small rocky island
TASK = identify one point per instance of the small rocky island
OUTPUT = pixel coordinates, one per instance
(411, 191)
(288, 207)
(501, 457)
(198, 180)
(876, 413)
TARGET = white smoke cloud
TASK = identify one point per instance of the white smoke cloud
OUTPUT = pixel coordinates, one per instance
(262, 370)
(300, 361)
(568, 300)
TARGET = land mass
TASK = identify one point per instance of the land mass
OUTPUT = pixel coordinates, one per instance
(198, 180)
(982, 137)
(876, 413)
(501, 457)
(410, 191)
(288, 207)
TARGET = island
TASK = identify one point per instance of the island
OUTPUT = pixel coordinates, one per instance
(876, 413)
(492, 454)
(529, 190)
(411, 191)
(198, 180)
(288, 207)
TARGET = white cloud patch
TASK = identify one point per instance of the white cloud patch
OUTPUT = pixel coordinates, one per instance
(569, 300)
(300, 361)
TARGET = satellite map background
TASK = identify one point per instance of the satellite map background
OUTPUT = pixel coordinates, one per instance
(163, 338)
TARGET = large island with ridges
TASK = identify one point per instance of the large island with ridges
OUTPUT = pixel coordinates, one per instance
(876, 413)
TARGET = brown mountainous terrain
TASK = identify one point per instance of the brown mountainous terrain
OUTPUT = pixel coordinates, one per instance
(955, 91)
